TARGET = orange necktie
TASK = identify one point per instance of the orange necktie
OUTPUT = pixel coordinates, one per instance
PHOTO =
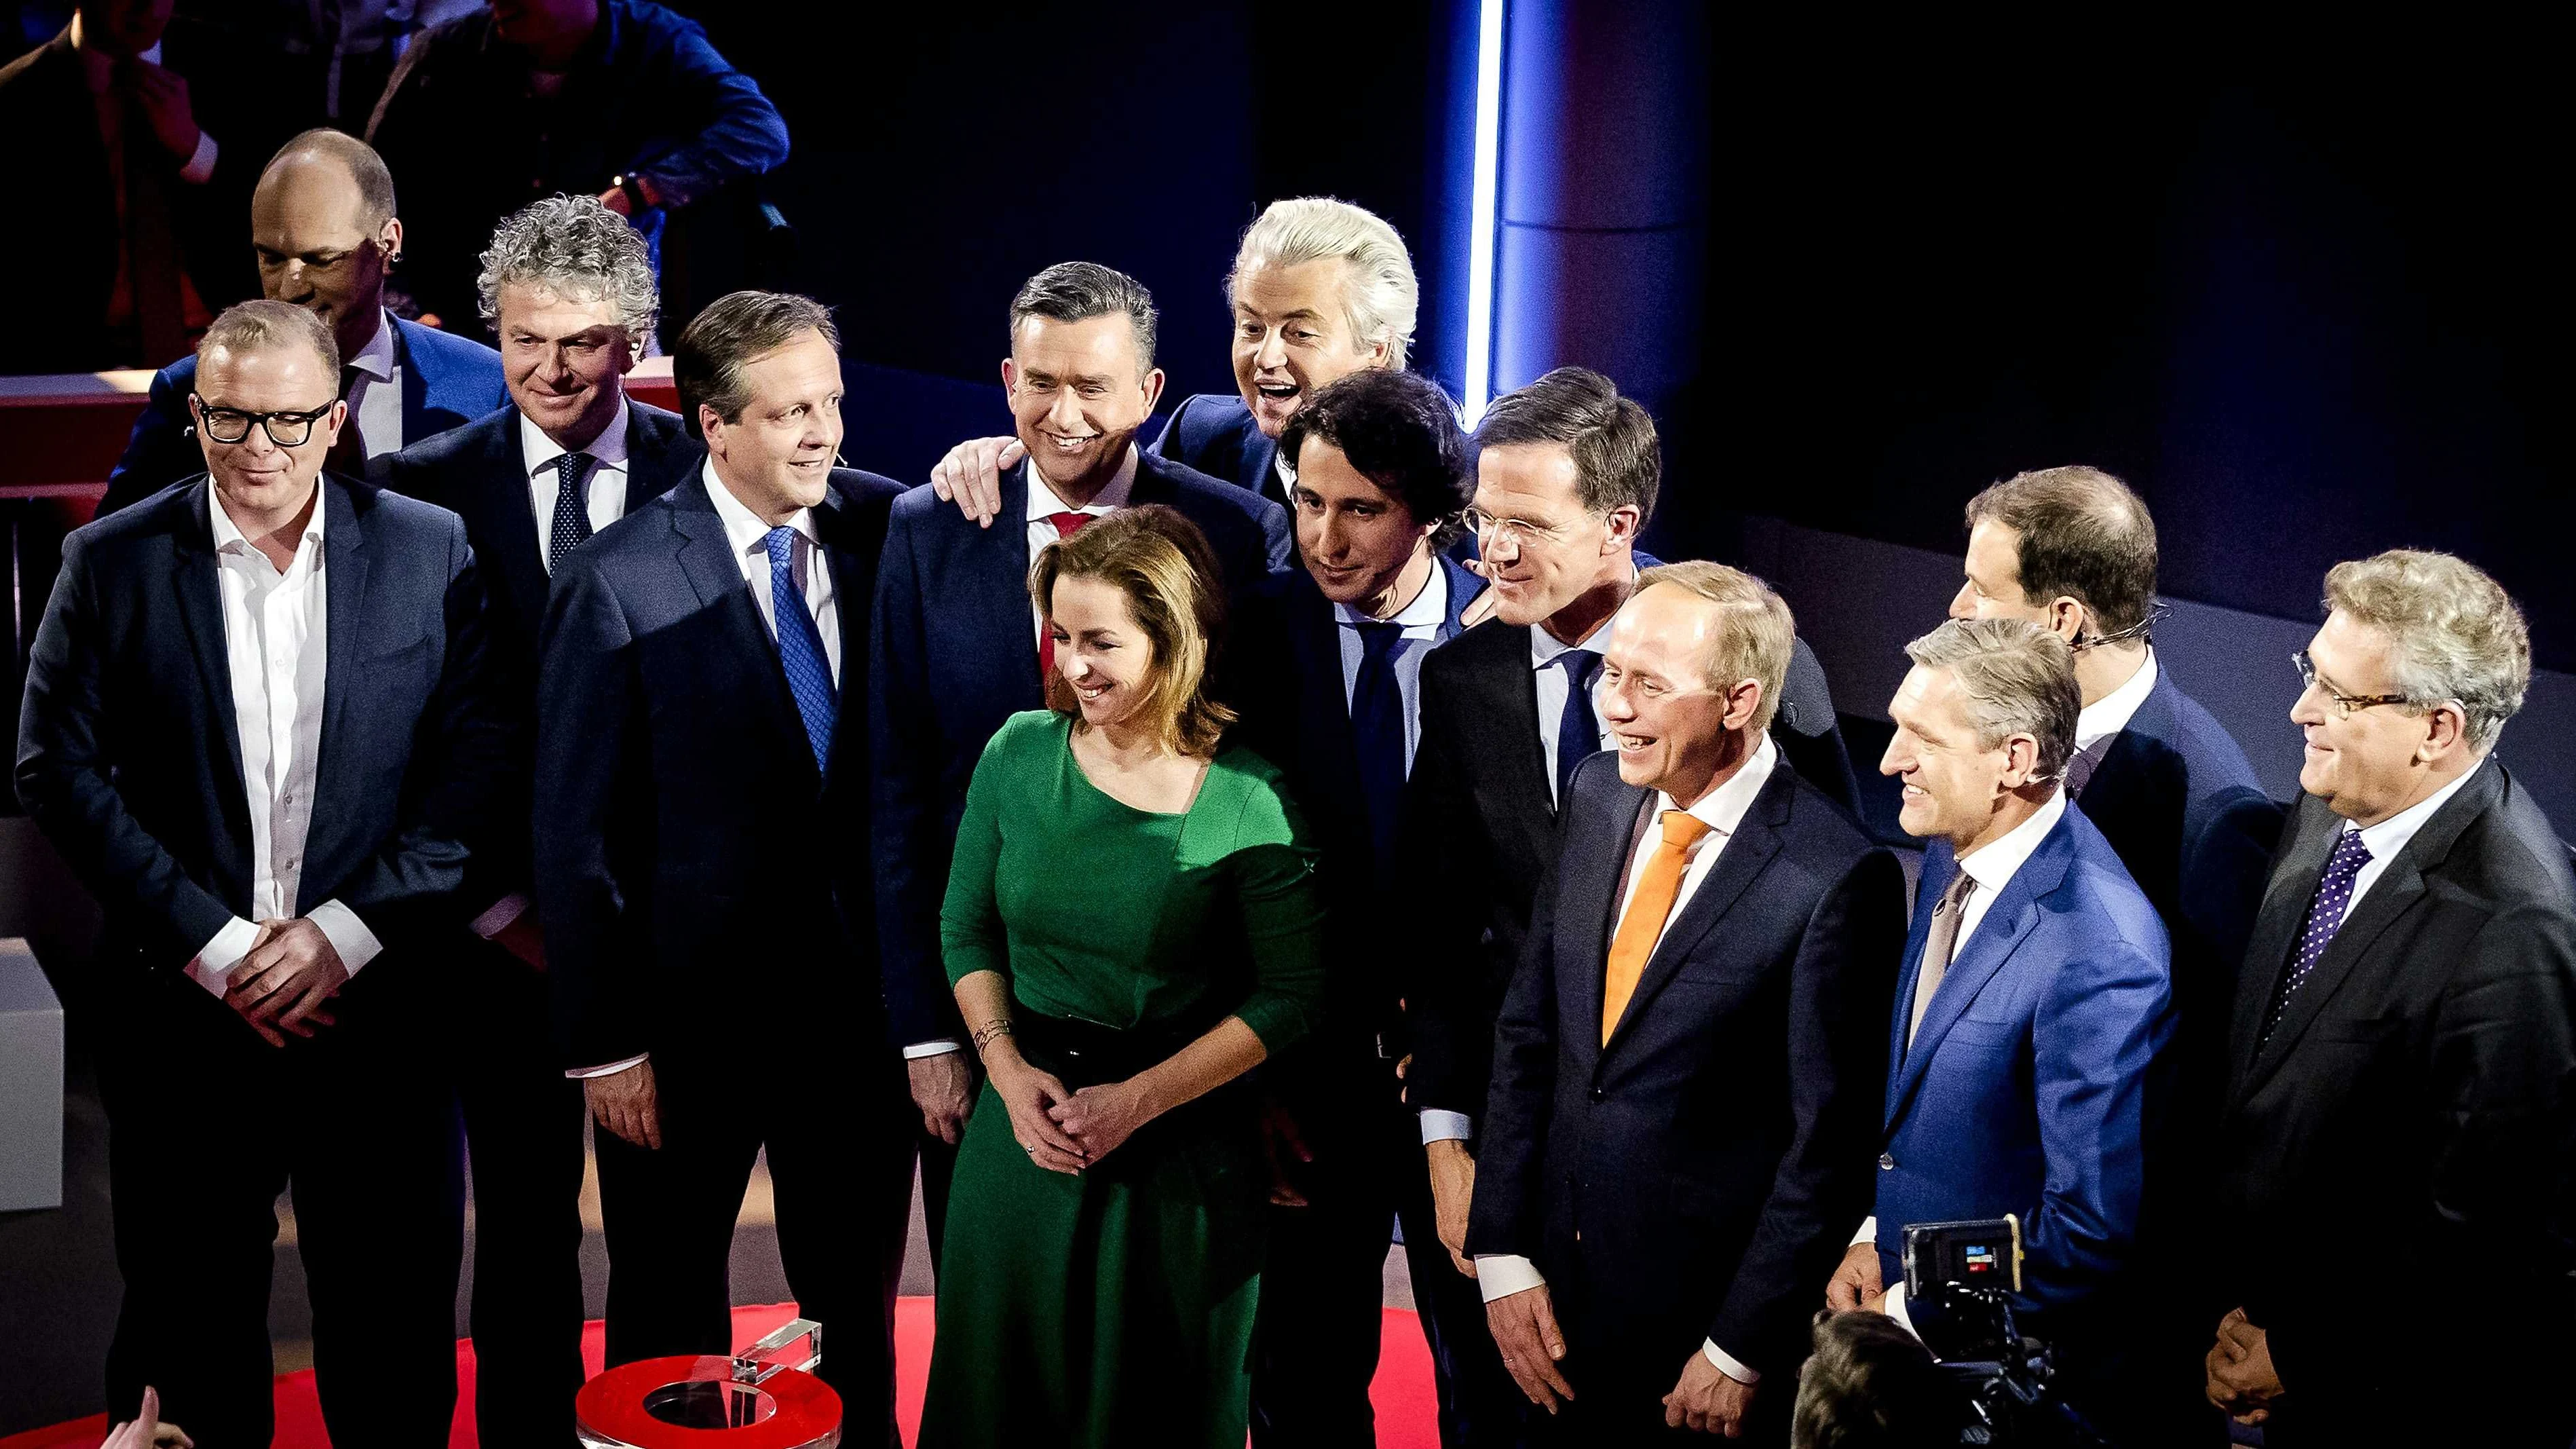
(1643, 925)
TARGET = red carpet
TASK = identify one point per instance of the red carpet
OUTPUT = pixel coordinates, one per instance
(1406, 1410)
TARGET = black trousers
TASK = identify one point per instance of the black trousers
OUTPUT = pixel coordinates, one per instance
(839, 1127)
(1322, 1295)
(523, 1137)
(207, 1125)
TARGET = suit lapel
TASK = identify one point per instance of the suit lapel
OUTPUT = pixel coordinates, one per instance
(659, 454)
(1740, 859)
(415, 386)
(705, 556)
(2302, 863)
(501, 491)
(853, 588)
(1999, 933)
(994, 584)
(1593, 872)
(201, 605)
(345, 566)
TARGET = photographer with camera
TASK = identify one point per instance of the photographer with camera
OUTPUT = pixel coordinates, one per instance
(2032, 1005)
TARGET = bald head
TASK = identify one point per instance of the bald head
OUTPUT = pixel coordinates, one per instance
(323, 225)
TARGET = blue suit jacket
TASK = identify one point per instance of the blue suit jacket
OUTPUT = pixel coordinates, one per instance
(955, 653)
(447, 381)
(1213, 432)
(689, 853)
(128, 751)
(2024, 1091)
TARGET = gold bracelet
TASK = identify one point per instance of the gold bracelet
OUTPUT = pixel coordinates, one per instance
(984, 1034)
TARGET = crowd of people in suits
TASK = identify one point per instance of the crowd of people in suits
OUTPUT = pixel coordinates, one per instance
(1204, 862)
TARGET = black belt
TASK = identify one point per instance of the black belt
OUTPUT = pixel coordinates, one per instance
(1086, 1054)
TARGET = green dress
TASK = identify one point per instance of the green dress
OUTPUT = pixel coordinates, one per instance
(1115, 1308)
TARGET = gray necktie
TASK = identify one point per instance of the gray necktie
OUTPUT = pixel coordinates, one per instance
(1938, 947)
(2079, 770)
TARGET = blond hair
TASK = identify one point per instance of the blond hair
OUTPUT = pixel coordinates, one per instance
(1755, 634)
(1160, 561)
(1381, 297)
(2453, 633)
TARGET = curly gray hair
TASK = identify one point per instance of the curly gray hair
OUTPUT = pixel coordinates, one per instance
(2454, 634)
(579, 250)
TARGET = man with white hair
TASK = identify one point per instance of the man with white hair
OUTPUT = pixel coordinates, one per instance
(569, 288)
(2396, 1138)
(1320, 289)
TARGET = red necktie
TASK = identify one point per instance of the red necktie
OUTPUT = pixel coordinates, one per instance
(1066, 526)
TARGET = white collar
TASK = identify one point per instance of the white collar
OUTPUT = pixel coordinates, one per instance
(377, 358)
(744, 528)
(1992, 865)
(2389, 836)
(1429, 609)
(609, 448)
(2111, 713)
(1042, 499)
(1544, 646)
(228, 535)
(1722, 809)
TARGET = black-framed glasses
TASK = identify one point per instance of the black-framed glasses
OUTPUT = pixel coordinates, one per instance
(2347, 705)
(285, 429)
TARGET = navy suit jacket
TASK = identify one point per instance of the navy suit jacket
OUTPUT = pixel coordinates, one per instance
(955, 653)
(129, 755)
(689, 854)
(2025, 1089)
(1213, 432)
(447, 381)
(479, 473)
(1700, 1174)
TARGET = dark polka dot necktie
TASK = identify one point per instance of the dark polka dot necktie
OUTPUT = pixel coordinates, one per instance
(572, 508)
(2326, 911)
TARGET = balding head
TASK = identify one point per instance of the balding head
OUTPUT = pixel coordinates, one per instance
(323, 225)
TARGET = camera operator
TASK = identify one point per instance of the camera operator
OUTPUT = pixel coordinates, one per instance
(1870, 1384)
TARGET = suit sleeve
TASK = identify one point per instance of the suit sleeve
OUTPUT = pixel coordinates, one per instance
(1841, 988)
(1507, 1210)
(1170, 437)
(158, 453)
(65, 780)
(1278, 536)
(2225, 867)
(464, 760)
(738, 133)
(906, 843)
(594, 880)
(1453, 997)
(2098, 1029)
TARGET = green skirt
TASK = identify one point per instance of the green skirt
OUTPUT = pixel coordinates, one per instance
(1114, 1308)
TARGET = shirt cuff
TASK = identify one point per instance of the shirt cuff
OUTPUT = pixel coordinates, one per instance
(213, 966)
(1440, 1126)
(1896, 1310)
(1500, 1275)
(939, 1048)
(505, 910)
(201, 162)
(1868, 1231)
(1727, 1364)
(611, 1069)
(347, 934)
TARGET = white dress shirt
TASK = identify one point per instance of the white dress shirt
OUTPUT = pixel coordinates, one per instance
(375, 394)
(276, 643)
(1042, 502)
(1499, 1275)
(603, 486)
(1420, 623)
(1992, 866)
(2111, 713)
(2389, 836)
(1552, 684)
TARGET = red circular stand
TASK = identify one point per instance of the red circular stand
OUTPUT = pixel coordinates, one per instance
(611, 1408)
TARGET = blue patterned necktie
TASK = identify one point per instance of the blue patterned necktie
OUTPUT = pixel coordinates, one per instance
(572, 507)
(2326, 912)
(800, 646)
(1578, 734)
(1377, 734)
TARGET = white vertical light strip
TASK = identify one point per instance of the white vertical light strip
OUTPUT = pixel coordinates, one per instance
(1482, 205)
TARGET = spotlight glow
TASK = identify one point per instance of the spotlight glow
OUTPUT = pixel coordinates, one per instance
(1482, 198)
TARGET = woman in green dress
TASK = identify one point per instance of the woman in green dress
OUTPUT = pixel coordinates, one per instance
(1131, 925)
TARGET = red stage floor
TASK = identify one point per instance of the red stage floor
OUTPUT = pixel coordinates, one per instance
(1402, 1393)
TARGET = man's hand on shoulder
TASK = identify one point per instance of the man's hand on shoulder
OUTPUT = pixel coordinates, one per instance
(971, 476)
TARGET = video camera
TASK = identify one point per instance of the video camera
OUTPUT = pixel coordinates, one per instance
(1966, 1275)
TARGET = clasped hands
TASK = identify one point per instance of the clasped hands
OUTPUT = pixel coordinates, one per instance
(1064, 1130)
(2242, 1381)
(281, 983)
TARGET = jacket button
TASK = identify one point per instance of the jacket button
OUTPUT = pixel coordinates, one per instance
(1598, 1095)
(1886, 1163)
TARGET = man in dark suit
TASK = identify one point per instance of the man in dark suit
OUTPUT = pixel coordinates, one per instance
(1320, 289)
(702, 869)
(2401, 1102)
(2033, 1005)
(570, 290)
(1687, 1066)
(324, 229)
(124, 240)
(1382, 478)
(958, 648)
(259, 726)
(2073, 551)
(1567, 475)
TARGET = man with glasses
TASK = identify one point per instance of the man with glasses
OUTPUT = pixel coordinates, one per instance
(324, 229)
(1567, 475)
(258, 725)
(2396, 1145)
